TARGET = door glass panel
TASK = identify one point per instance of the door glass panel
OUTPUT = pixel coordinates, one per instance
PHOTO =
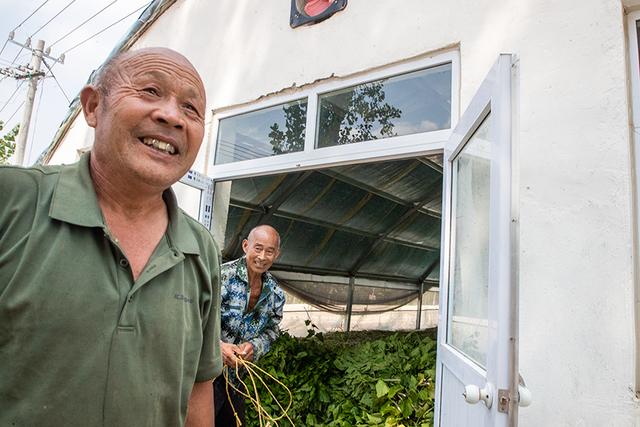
(467, 323)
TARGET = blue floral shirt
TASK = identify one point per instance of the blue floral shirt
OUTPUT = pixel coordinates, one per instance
(260, 325)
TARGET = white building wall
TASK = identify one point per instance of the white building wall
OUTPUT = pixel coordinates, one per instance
(576, 282)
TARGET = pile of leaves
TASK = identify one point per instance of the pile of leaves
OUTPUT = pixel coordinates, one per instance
(372, 378)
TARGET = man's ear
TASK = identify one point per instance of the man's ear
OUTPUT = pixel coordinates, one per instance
(245, 245)
(90, 98)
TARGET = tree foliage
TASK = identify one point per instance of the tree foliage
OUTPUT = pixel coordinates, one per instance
(8, 143)
(357, 114)
(292, 137)
(365, 116)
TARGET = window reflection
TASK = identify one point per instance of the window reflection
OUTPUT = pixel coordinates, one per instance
(410, 103)
(469, 288)
(275, 130)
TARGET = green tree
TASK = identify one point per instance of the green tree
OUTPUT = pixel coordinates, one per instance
(7, 143)
(290, 139)
(357, 114)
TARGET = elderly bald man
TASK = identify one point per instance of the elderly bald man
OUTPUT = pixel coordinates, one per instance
(251, 311)
(109, 294)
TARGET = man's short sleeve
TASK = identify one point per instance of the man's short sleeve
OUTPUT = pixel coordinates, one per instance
(210, 364)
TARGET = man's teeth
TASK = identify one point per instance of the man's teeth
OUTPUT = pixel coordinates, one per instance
(159, 145)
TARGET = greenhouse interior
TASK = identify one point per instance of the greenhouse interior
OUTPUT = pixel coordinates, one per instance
(360, 243)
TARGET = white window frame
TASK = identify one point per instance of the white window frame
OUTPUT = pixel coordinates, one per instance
(634, 75)
(311, 157)
(205, 184)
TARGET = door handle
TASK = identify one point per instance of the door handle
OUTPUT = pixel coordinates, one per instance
(524, 394)
(474, 394)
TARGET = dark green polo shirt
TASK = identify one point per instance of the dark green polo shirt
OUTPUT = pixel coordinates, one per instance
(81, 342)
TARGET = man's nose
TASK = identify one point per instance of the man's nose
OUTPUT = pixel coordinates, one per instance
(168, 112)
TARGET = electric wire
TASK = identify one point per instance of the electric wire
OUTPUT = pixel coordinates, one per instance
(17, 54)
(14, 113)
(11, 96)
(32, 13)
(6, 61)
(18, 26)
(4, 45)
(105, 29)
(56, 80)
(83, 23)
(54, 17)
(35, 120)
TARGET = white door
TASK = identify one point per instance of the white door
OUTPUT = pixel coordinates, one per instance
(476, 343)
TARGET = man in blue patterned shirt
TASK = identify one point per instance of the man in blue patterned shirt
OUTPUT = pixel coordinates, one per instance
(250, 311)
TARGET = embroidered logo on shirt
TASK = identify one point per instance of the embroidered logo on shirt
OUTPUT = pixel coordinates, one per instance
(183, 298)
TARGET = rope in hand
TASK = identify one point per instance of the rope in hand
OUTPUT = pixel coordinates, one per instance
(254, 372)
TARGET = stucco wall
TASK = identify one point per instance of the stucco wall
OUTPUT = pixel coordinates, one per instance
(576, 284)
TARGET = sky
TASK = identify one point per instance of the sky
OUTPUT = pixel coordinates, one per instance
(51, 103)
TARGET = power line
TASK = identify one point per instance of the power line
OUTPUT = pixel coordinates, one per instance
(11, 97)
(87, 20)
(14, 113)
(35, 120)
(25, 19)
(105, 29)
(17, 54)
(19, 25)
(54, 17)
(56, 80)
(4, 45)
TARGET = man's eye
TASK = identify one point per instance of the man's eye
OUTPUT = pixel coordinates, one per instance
(150, 90)
(190, 107)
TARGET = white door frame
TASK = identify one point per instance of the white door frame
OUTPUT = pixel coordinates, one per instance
(494, 96)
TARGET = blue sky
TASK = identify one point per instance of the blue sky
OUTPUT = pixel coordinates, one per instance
(51, 105)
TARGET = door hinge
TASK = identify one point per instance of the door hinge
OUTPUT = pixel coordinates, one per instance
(503, 401)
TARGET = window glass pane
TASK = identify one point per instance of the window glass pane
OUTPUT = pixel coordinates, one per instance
(263, 133)
(411, 103)
(470, 271)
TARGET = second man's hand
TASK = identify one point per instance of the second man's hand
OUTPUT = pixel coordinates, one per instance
(246, 351)
(229, 352)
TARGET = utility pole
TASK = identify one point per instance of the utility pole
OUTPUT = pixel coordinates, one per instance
(33, 74)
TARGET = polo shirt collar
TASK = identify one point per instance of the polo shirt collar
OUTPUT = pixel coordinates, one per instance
(74, 198)
(75, 201)
(179, 231)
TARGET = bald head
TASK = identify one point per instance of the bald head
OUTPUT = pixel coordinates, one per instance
(262, 248)
(267, 231)
(125, 63)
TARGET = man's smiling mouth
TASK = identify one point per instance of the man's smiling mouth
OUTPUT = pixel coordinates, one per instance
(162, 146)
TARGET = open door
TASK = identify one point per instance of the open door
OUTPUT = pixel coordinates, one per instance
(476, 343)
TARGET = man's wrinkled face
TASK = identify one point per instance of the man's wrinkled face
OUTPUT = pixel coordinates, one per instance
(261, 250)
(149, 122)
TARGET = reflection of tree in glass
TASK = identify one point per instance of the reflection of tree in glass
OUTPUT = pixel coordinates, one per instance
(292, 138)
(351, 116)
